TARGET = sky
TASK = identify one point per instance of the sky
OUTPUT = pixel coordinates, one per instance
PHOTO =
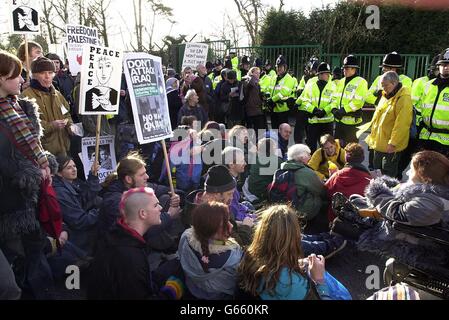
(203, 18)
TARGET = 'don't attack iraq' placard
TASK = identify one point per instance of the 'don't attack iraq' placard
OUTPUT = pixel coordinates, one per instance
(146, 88)
(101, 74)
(24, 16)
(77, 37)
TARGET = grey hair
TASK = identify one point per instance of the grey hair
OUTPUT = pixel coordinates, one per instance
(297, 151)
(190, 93)
(390, 76)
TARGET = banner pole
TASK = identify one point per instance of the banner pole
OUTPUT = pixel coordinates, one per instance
(27, 59)
(167, 166)
(97, 141)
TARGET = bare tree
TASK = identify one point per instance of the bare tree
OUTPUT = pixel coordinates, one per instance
(55, 15)
(161, 11)
(281, 5)
(229, 29)
(252, 13)
(138, 25)
(98, 11)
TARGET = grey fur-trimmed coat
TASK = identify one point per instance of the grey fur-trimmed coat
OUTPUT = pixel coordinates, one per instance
(413, 205)
(20, 182)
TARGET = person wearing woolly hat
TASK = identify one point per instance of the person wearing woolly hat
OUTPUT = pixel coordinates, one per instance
(53, 107)
(63, 81)
(219, 186)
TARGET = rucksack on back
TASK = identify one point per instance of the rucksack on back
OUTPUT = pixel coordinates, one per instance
(283, 187)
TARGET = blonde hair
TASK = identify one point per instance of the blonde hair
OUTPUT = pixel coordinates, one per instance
(251, 71)
(276, 245)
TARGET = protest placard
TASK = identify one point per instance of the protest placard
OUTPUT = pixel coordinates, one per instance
(106, 158)
(194, 54)
(24, 17)
(146, 88)
(100, 80)
(77, 36)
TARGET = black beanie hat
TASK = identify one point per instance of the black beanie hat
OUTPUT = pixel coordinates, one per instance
(42, 64)
(219, 180)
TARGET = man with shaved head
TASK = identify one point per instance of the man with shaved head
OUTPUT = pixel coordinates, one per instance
(120, 269)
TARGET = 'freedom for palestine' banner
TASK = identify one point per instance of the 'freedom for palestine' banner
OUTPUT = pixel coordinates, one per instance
(77, 37)
(146, 88)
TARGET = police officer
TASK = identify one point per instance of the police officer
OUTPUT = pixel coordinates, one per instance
(347, 101)
(434, 134)
(216, 74)
(244, 67)
(392, 62)
(301, 116)
(317, 98)
(280, 93)
(416, 93)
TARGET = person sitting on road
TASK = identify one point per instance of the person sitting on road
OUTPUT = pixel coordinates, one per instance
(331, 154)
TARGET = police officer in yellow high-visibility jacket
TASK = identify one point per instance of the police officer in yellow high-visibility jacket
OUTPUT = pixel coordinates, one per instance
(420, 83)
(266, 79)
(281, 92)
(347, 101)
(316, 101)
(392, 62)
(301, 116)
(434, 134)
(416, 94)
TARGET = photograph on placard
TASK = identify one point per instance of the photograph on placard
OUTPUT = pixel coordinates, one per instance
(106, 156)
(146, 87)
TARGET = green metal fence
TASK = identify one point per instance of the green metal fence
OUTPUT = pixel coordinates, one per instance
(415, 65)
(296, 55)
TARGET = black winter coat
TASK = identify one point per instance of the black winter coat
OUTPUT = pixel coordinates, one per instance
(20, 182)
(120, 270)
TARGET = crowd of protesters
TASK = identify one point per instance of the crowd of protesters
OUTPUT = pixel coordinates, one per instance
(226, 231)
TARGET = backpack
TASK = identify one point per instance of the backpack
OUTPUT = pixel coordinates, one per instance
(283, 188)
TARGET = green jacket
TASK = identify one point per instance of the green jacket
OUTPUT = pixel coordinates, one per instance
(261, 175)
(52, 106)
(312, 195)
